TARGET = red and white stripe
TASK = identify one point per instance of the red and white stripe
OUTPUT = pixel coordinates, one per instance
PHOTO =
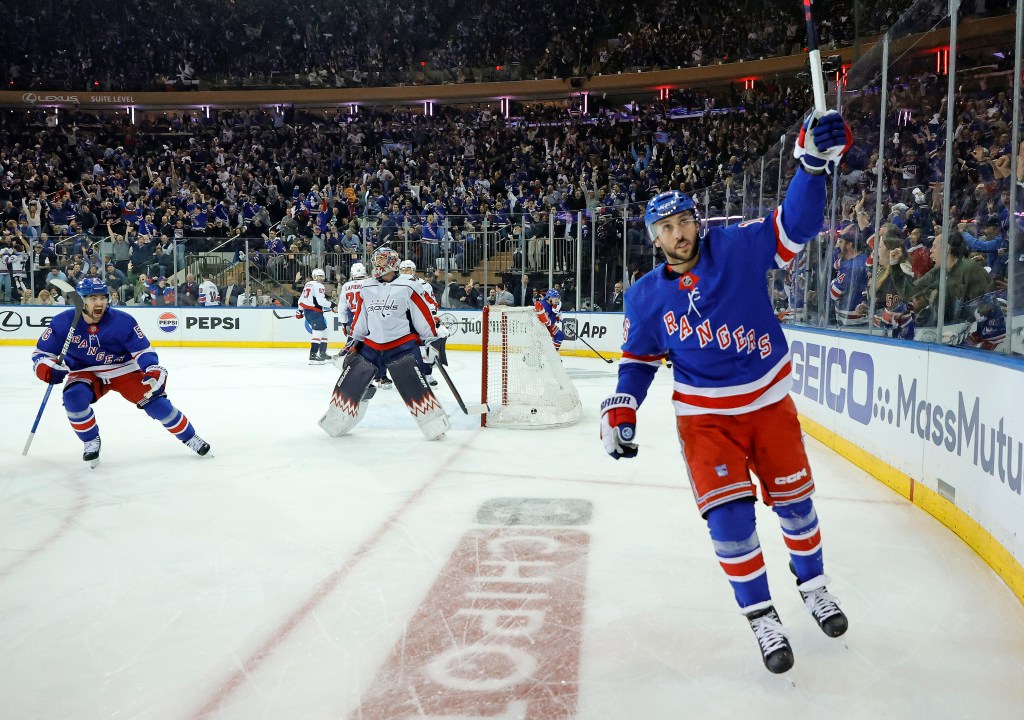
(785, 248)
(807, 543)
(179, 426)
(82, 426)
(652, 360)
(735, 399)
(745, 567)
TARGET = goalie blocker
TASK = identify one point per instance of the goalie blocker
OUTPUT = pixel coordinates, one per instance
(353, 391)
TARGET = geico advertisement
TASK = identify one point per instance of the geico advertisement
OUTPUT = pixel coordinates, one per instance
(949, 420)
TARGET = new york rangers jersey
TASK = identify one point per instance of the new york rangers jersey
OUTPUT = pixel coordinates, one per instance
(314, 297)
(547, 314)
(716, 322)
(389, 314)
(209, 295)
(851, 282)
(110, 348)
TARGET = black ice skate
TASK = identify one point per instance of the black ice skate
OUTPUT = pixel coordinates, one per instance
(772, 639)
(384, 383)
(322, 358)
(200, 446)
(823, 606)
(316, 359)
(91, 453)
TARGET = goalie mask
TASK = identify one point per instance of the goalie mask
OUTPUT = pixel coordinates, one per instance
(384, 261)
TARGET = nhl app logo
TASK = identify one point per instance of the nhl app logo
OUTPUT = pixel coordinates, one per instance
(168, 322)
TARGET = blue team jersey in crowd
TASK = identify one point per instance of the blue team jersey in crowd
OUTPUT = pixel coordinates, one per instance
(109, 348)
(716, 322)
(850, 285)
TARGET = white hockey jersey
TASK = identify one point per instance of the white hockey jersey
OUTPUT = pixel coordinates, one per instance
(313, 297)
(349, 300)
(427, 290)
(389, 314)
(209, 295)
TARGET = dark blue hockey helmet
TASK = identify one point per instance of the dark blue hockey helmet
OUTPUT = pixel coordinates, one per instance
(553, 295)
(92, 286)
(668, 203)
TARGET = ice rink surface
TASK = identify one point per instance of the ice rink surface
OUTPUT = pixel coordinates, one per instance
(295, 575)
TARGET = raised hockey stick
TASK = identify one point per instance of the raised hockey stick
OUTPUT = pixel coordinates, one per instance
(69, 292)
(814, 55)
(478, 409)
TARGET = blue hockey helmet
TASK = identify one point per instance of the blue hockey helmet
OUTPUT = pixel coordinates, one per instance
(92, 286)
(553, 295)
(668, 203)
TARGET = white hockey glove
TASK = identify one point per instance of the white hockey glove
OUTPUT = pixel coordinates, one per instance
(156, 377)
(442, 331)
(433, 351)
(823, 140)
(618, 425)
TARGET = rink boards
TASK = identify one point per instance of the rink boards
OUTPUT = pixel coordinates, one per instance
(278, 327)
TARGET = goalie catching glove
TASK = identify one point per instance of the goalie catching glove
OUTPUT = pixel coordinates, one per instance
(824, 139)
(618, 425)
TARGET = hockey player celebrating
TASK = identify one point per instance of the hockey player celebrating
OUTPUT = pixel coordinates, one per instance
(312, 304)
(549, 311)
(108, 351)
(408, 268)
(707, 309)
(392, 318)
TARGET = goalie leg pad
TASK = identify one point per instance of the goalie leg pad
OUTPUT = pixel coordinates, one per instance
(349, 399)
(421, 401)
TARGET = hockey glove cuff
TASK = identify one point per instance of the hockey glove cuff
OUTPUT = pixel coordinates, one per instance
(618, 425)
(823, 140)
(156, 377)
(49, 371)
(300, 314)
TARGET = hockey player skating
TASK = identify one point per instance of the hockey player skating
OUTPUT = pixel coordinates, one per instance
(408, 268)
(392, 319)
(313, 303)
(708, 310)
(549, 311)
(108, 351)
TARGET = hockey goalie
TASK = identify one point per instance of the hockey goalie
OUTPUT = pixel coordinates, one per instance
(392, 321)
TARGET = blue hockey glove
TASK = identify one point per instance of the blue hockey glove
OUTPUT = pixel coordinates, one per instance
(618, 425)
(823, 140)
(156, 377)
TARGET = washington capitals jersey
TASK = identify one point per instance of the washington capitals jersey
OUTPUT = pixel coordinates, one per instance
(350, 300)
(109, 348)
(389, 314)
(313, 297)
(716, 322)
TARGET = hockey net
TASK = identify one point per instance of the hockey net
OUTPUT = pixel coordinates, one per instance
(524, 383)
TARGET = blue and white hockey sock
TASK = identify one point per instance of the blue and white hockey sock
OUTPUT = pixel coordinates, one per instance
(800, 530)
(738, 548)
(83, 422)
(171, 418)
(77, 399)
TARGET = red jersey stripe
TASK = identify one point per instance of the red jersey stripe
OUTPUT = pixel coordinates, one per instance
(732, 401)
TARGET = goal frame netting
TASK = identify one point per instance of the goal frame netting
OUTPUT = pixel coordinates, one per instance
(523, 381)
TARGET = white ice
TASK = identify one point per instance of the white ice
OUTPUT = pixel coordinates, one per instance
(273, 579)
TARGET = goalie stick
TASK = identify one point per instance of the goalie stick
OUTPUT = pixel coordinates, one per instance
(75, 298)
(478, 409)
(814, 56)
